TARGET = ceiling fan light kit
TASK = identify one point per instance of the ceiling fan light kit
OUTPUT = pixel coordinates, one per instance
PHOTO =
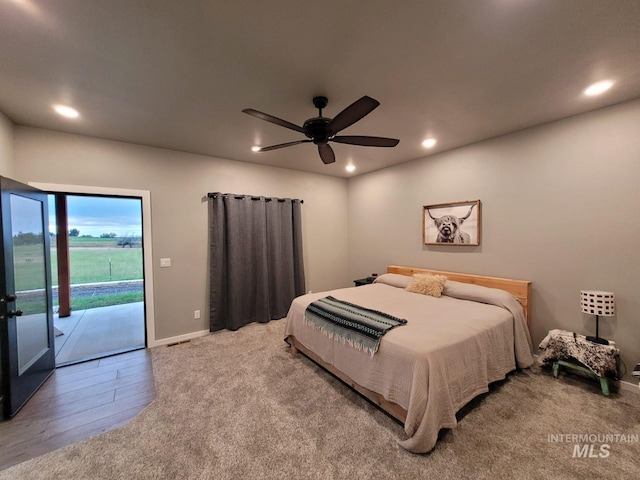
(322, 130)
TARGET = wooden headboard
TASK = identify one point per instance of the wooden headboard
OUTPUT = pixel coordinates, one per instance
(521, 289)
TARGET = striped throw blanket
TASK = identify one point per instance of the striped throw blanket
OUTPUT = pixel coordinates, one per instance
(360, 327)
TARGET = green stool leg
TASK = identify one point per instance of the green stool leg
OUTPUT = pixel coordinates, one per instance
(605, 385)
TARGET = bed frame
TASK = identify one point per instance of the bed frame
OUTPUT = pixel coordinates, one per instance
(521, 289)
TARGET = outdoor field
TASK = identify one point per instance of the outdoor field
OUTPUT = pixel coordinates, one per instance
(92, 260)
(100, 260)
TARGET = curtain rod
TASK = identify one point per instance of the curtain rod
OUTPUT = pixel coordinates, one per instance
(253, 197)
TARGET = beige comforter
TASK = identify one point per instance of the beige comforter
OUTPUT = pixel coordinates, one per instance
(448, 353)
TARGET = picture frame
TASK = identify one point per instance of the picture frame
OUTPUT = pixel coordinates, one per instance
(455, 224)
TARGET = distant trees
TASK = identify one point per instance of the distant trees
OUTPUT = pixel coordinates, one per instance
(27, 239)
(108, 235)
(74, 232)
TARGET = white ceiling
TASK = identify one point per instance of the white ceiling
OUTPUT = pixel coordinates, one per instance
(176, 74)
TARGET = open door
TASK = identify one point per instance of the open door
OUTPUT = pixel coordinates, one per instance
(27, 350)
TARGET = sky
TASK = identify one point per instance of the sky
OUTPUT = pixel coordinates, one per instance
(26, 216)
(97, 215)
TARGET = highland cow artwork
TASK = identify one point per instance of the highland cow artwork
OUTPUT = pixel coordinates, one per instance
(451, 223)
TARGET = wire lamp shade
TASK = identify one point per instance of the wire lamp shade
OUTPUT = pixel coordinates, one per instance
(596, 302)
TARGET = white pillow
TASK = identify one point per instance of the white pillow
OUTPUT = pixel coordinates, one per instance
(393, 279)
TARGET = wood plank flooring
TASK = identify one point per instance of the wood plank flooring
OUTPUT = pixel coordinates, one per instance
(78, 402)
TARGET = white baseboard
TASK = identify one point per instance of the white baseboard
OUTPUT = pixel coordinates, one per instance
(629, 387)
(178, 339)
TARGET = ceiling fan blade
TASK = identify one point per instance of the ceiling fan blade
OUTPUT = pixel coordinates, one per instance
(272, 119)
(282, 145)
(366, 141)
(326, 153)
(350, 115)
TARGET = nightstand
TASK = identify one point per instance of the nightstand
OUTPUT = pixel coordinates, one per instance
(364, 281)
(573, 351)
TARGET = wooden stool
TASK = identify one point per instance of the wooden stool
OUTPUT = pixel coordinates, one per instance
(604, 384)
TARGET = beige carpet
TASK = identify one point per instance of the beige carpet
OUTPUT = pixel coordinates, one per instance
(237, 405)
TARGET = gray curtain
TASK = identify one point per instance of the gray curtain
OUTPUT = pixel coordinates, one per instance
(255, 259)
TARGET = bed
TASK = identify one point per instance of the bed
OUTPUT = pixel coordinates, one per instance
(449, 351)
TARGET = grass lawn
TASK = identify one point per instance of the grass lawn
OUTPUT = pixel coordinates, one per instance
(101, 264)
(92, 260)
(85, 303)
(89, 242)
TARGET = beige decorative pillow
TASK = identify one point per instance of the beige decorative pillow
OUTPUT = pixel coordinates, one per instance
(427, 284)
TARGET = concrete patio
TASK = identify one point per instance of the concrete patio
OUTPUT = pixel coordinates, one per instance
(97, 332)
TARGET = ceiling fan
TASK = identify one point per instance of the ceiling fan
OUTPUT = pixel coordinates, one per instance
(322, 130)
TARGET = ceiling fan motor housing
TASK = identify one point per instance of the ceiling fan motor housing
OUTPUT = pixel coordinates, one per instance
(316, 129)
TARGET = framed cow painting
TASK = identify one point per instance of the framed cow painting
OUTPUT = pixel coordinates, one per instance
(451, 223)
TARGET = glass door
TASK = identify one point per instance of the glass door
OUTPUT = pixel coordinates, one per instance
(26, 313)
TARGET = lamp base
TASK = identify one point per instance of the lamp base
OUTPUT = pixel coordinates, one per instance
(598, 340)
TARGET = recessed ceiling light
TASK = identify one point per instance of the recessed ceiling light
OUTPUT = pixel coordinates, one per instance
(255, 148)
(350, 168)
(429, 143)
(66, 111)
(598, 88)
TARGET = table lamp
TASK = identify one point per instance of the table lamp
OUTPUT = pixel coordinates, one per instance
(600, 304)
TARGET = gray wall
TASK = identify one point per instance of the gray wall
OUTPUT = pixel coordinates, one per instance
(6, 147)
(178, 183)
(559, 207)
